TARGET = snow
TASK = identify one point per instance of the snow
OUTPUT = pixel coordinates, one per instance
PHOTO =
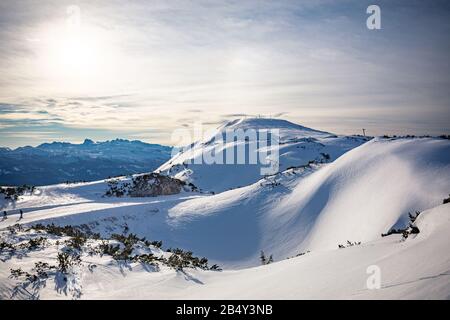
(298, 146)
(367, 191)
(413, 269)
(312, 208)
(359, 196)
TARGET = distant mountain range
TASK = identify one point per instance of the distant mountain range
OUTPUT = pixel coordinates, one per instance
(57, 162)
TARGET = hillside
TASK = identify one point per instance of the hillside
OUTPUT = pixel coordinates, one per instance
(297, 146)
(415, 268)
(359, 196)
(304, 217)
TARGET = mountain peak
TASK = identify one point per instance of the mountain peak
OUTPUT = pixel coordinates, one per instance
(266, 123)
(88, 142)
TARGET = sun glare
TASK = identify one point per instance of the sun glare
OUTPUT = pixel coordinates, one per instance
(74, 57)
(75, 54)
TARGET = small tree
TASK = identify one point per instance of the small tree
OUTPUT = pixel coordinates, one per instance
(413, 218)
(66, 261)
(262, 257)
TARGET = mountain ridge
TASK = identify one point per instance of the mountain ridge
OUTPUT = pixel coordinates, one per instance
(57, 162)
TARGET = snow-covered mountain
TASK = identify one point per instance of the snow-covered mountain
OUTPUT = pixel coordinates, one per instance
(57, 162)
(297, 146)
(359, 196)
(321, 221)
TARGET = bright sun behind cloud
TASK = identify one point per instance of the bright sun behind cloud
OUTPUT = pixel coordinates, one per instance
(75, 53)
(74, 57)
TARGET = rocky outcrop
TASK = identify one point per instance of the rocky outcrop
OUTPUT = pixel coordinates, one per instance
(148, 185)
(154, 184)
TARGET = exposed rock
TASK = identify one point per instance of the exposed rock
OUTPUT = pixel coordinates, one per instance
(154, 184)
(148, 185)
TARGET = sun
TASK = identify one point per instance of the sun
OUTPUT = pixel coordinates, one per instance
(74, 56)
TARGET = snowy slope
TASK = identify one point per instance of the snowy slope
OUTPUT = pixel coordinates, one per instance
(417, 268)
(367, 191)
(298, 146)
(359, 196)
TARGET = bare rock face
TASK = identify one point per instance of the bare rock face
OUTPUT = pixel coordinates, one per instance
(154, 184)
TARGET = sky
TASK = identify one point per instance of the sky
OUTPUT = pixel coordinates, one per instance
(71, 70)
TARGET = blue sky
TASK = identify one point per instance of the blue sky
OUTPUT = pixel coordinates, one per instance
(142, 69)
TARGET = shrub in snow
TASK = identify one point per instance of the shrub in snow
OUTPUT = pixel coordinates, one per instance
(302, 253)
(74, 247)
(299, 254)
(6, 246)
(124, 254)
(108, 249)
(13, 193)
(157, 244)
(414, 230)
(16, 273)
(65, 231)
(16, 228)
(215, 267)
(66, 260)
(35, 243)
(411, 229)
(147, 258)
(413, 218)
(182, 259)
(265, 260)
(176, 262)
(349, 244)
(41, 270)
(447, 200)
(392, 231)
(76, 242)
(262, 257)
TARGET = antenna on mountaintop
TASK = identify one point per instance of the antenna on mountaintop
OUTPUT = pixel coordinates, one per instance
(364, 132)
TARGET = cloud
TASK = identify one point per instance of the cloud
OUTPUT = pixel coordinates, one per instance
(165, 64)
